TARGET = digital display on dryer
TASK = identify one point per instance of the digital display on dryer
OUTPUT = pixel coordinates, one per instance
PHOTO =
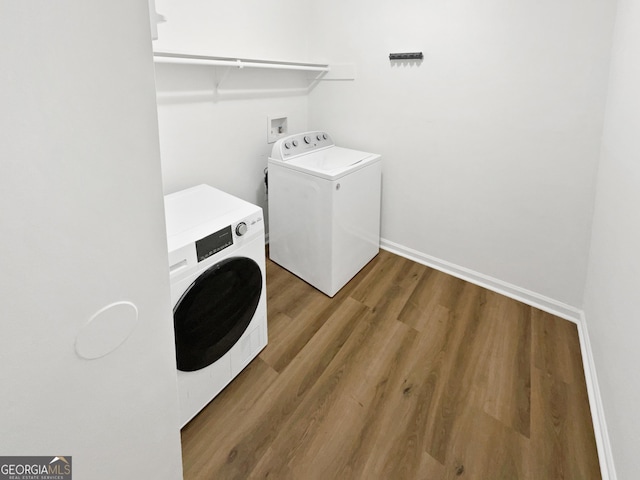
(212, 244)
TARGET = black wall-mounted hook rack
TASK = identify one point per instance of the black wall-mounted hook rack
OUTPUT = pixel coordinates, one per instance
(406, 56)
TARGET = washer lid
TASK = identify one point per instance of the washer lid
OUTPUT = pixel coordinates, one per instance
(331, 163)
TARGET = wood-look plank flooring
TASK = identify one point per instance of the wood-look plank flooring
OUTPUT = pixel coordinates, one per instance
(407, 373)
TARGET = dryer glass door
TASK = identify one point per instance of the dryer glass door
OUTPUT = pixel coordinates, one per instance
(215, 311)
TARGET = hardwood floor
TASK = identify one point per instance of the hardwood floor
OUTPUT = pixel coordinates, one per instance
(407, 373)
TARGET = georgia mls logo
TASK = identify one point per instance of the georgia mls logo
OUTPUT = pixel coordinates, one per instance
(35, 468)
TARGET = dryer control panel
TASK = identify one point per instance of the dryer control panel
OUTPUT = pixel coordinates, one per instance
(237, 233)
(299, 144)
(223, 242)
(207, 246)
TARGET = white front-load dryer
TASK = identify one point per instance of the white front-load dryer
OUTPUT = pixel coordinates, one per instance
(218, 290)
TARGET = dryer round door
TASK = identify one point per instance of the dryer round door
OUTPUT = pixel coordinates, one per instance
(215, 311)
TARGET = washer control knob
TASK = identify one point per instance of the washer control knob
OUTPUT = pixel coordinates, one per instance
(307, 139)
(324, 135)
(294, 143)
(287, 145)
(319, 137)
(241, 229)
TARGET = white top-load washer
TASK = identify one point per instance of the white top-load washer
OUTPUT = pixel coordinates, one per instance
(324, 209)
(218, 290)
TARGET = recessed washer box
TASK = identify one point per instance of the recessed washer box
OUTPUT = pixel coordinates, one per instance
(276, 127)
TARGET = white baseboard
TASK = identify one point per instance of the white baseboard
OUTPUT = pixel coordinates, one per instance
(546, 304)
(607, 467)
(523, 295)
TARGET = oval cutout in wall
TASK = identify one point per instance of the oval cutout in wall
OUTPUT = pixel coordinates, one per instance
(106, 330)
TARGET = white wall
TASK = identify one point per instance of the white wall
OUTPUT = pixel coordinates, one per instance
(82, 227)
(612, 303)
(490, 144)
(218, 135)
(221, 138)
(274, 30)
